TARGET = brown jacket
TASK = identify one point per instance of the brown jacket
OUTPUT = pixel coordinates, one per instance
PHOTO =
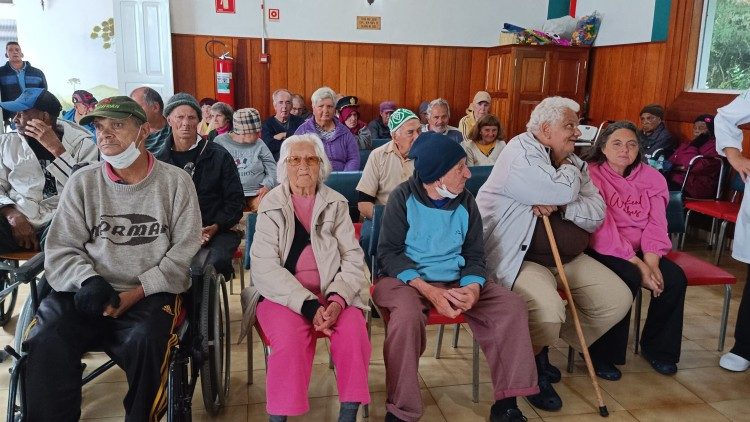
(338, 254)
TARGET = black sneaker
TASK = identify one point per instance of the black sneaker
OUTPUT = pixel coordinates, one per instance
(553, 374)
(510, 415)
(390, 417)
(547, 398)
(660, 366)
(607, 371)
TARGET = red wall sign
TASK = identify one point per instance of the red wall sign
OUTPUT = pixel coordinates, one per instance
(273, 14)
(225, 6)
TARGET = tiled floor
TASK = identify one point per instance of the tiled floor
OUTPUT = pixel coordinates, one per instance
(701, 391)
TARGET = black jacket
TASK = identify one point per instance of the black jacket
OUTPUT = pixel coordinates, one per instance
(217, 182)
(9, 87)
(271, 127)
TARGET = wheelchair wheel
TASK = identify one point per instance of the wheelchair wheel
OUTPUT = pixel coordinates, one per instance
(9, 302)
(24, 319)
(215, 341)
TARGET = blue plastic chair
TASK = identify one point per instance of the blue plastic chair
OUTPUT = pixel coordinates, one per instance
(379, 142)
(364, 154)
(479, 175)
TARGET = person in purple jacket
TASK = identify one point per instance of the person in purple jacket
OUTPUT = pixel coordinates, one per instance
(340, 145)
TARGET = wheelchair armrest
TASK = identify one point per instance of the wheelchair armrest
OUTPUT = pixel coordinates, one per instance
(198, 264)
(30, 269)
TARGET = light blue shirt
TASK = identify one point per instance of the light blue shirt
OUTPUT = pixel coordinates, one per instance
(22, 76)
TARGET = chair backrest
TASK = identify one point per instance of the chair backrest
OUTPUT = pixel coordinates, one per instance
(675, 213)
(588, 133)
(364, 154)
(252, 218)
(379, 142)
(372, 248)
(345, 183)
(479, 175)
(737, 186)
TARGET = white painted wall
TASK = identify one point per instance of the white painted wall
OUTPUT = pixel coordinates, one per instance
(623, 22)
(474, 23)
(57, 41)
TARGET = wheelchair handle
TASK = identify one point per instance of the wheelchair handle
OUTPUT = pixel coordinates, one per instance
(198, 264)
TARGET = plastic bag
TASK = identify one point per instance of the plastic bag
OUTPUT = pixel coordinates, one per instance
(563, 26)
(587, 29)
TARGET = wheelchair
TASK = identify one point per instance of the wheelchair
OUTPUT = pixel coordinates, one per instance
(203, 348)
(8, 290)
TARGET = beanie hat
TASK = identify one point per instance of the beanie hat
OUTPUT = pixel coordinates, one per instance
(399, 117)
(423, 107)
(434, 154)
(654, 109)
(181, 98)
(708, 119)
(346, 112)
(386, 106)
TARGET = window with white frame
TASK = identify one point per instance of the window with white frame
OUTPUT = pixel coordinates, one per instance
(724, 53)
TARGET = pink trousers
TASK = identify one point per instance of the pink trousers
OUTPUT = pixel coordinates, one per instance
(292, 340)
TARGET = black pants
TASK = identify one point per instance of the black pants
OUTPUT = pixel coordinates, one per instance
(742, 329)
(662, 333)
(137, 341)
(222, 246)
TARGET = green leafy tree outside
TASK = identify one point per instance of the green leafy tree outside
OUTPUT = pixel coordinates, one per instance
(729, 59)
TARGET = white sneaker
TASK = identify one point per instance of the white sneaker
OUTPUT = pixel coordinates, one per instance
(733, 362)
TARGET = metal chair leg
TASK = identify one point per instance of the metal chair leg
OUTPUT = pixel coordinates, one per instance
(571, 359)
(638, 301)
(456, 331)
(712, 235)
(725, 315)
(441, 328)
(475, 373)
(242, 275)
(720, 242)
(684, 233)
(366, 411)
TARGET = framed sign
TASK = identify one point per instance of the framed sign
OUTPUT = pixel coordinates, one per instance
(225, 6)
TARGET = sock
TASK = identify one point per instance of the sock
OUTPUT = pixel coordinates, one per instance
(348, 411)
(501, 406)
(276, 418)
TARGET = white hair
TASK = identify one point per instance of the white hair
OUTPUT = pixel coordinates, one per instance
(550, 110)
(439, 102)
(306, 138)
(276, 93)
(321, 94)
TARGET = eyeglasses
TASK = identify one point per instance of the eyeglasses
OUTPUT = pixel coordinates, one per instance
(296, 161)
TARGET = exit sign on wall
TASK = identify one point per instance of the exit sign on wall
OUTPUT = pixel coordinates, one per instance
(225, 6)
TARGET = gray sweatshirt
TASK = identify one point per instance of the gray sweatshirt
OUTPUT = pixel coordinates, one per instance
(144, 234)
(255, 164)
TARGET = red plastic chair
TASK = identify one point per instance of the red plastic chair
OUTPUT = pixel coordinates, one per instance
(435, 318)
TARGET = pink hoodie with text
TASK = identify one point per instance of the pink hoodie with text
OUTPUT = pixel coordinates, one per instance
(636, 217)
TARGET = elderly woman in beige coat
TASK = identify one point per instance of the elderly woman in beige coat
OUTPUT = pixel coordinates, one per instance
(309, 270)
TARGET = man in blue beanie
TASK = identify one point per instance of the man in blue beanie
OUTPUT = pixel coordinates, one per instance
(431, 255)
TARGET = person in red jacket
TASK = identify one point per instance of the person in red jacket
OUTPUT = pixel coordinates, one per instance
(704, 174)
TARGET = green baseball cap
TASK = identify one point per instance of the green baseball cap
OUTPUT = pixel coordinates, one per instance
(120, 107)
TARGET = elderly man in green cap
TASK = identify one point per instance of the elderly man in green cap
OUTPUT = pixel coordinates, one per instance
(388, 166)
(117, 258)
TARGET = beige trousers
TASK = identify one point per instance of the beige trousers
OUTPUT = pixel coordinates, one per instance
(601, 299)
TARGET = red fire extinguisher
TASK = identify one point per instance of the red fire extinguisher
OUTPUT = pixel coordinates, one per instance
(223, 67)
(224, 80)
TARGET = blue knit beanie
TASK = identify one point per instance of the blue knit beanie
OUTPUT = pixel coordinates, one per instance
(434, 154)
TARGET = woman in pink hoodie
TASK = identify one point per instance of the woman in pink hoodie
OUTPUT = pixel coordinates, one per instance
(633, 242)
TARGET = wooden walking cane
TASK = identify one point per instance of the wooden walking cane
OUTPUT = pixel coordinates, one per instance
(558, 262)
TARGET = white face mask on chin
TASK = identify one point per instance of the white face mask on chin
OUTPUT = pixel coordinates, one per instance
(443, 191)
(125, 158)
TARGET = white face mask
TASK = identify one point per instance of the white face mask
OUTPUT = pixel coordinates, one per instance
(443, 191)
(125, 158)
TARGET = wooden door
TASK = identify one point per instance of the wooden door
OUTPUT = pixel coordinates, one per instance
(499, 84)
(568, 70)
(531, 85)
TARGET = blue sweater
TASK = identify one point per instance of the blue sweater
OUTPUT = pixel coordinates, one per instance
(436, 244)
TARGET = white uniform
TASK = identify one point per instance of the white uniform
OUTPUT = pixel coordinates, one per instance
(729, 135)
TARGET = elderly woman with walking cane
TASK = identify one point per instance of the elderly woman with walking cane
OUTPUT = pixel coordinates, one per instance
(537, 175)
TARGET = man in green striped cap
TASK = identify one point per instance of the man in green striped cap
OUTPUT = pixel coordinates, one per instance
(388, 166)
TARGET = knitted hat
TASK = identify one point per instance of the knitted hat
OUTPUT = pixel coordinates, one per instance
(387, 106)
(434, 154)
(654, 109)
(179, 99)
(120, 107)
(399, 117)
(346, 112)
(36, 98)
(246, 121)
(708, 119)
(423, 107)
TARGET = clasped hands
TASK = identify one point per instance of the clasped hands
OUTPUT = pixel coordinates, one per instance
(449, 302)
(97, 298)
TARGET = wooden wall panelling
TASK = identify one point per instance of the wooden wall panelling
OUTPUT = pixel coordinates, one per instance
(462, 89)
(413, 89)
(429, 81)
(279, 55)
(331, 65)
(242, 75)
(296, 68)
(446, 79)
(183, 62)
(363, 89)
(313, 66)
(260, 93)
(477, 70)
(397, 77)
